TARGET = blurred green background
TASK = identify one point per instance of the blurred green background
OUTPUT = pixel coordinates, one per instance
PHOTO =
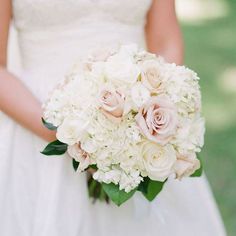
(209, 29)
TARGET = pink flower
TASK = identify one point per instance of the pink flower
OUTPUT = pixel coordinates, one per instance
(157, 119)
(186, 165)
(112, 104)
(76, 152)
(151, 75)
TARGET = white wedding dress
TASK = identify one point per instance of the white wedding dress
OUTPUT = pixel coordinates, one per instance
(43, 196)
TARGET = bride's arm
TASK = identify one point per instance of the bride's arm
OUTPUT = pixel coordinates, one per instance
(163, 33)
(15, 99)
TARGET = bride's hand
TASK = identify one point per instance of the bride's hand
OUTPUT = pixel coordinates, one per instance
(49, 135)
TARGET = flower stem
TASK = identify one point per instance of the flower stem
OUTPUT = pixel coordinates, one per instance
(96, 191)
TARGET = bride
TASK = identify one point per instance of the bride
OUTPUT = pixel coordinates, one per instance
(41, 196)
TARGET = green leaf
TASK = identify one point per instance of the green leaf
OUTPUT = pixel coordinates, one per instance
(143, 186)
(55, 148)
(75, 164)
(48, 125)
(199, 171)
(151, 188)
(116, 195)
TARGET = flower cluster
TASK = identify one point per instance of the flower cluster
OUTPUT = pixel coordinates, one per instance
(130, 114)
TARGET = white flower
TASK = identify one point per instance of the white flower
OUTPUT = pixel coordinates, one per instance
(181, 85)
(133, 133)
(143, 55)
(103, 159)
(97, 74)
(139, 94)
(72, 130)
(111, 176)
(121, 69)
(130, 159)
(158, 160)
(130, 181)
(54, 108)
(190, 135)
(88, 144)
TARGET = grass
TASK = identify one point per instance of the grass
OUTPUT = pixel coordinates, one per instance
(211, 50)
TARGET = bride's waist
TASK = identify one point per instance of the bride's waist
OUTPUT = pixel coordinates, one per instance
(60, 48)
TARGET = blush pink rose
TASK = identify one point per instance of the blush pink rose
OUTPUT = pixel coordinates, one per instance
(151, 74)
(186, 165)
(112, 104)
(76, 152)
(157, 119)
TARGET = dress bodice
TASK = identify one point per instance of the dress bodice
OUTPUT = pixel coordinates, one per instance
(53, 34)
(31, 15)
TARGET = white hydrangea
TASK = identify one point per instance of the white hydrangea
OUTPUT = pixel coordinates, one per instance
(130, 181)
(190, 135)
(181, 85)
(110, 176)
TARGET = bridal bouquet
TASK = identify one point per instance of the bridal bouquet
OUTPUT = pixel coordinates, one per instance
(131, 117)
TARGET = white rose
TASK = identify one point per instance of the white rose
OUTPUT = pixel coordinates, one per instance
(88, 144)
(158, 160)
(121, 69)
(139, 94)
(186, 165)
(72, 130)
